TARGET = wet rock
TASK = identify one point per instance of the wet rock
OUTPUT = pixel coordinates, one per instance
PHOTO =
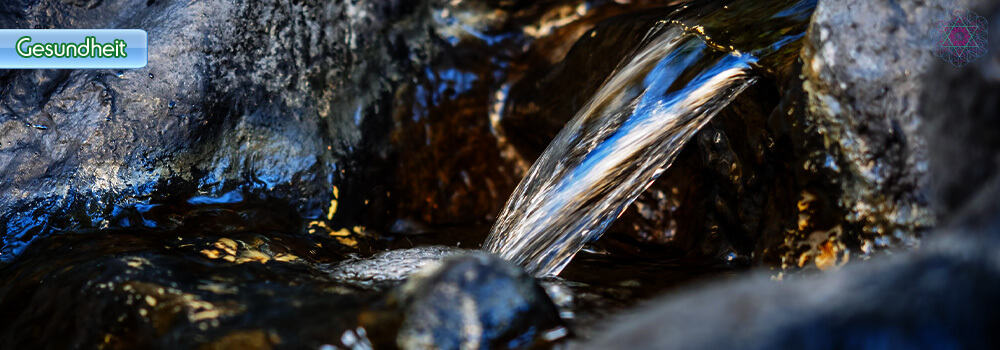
(147, 289)
(865, 66)
(472, 302)
(241, 98)
(133, 289)
(288, 104)
(392, 265)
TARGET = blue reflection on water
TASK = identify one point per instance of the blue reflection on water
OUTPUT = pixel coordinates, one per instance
(230, 197)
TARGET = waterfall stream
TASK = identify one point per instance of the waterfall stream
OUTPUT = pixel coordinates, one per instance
(633, 127)
(615, 146)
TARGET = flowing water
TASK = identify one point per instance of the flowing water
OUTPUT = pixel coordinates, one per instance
(629, 132)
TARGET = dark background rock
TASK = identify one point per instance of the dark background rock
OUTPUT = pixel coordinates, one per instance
(961, 118)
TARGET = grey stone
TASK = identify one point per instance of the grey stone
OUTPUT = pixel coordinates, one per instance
(865, 65)
(236, 96)
(475, 301)
(931, 299)
(392, 265)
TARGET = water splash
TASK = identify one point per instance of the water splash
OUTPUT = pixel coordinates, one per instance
(616, 145)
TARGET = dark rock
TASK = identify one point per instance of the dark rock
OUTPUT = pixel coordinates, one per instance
(242, 98)
(132, 289)
(448, 161)
(932, 299)
(548, 96)
(472, 302)
(146, 289)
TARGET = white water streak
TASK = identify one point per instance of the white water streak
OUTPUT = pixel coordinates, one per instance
(615, 146)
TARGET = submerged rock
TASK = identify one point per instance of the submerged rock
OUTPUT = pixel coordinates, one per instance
(475, 301)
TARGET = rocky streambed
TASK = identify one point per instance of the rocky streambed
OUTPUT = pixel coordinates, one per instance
(307, 174)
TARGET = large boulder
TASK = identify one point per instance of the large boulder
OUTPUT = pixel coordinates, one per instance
(931, 299)
(238, 98)
(865, 66)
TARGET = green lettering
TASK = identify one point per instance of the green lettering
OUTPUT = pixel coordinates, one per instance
(90, 47)
(121, 47)
(22, 40)
(82, 50)
(38, 50)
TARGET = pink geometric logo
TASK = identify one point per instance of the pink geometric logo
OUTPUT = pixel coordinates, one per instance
(962, 39)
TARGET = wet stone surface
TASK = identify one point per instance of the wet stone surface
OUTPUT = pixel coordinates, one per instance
(871, 118)
(140, 290)
(392, 265)
(257, 99)
(490, 304)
